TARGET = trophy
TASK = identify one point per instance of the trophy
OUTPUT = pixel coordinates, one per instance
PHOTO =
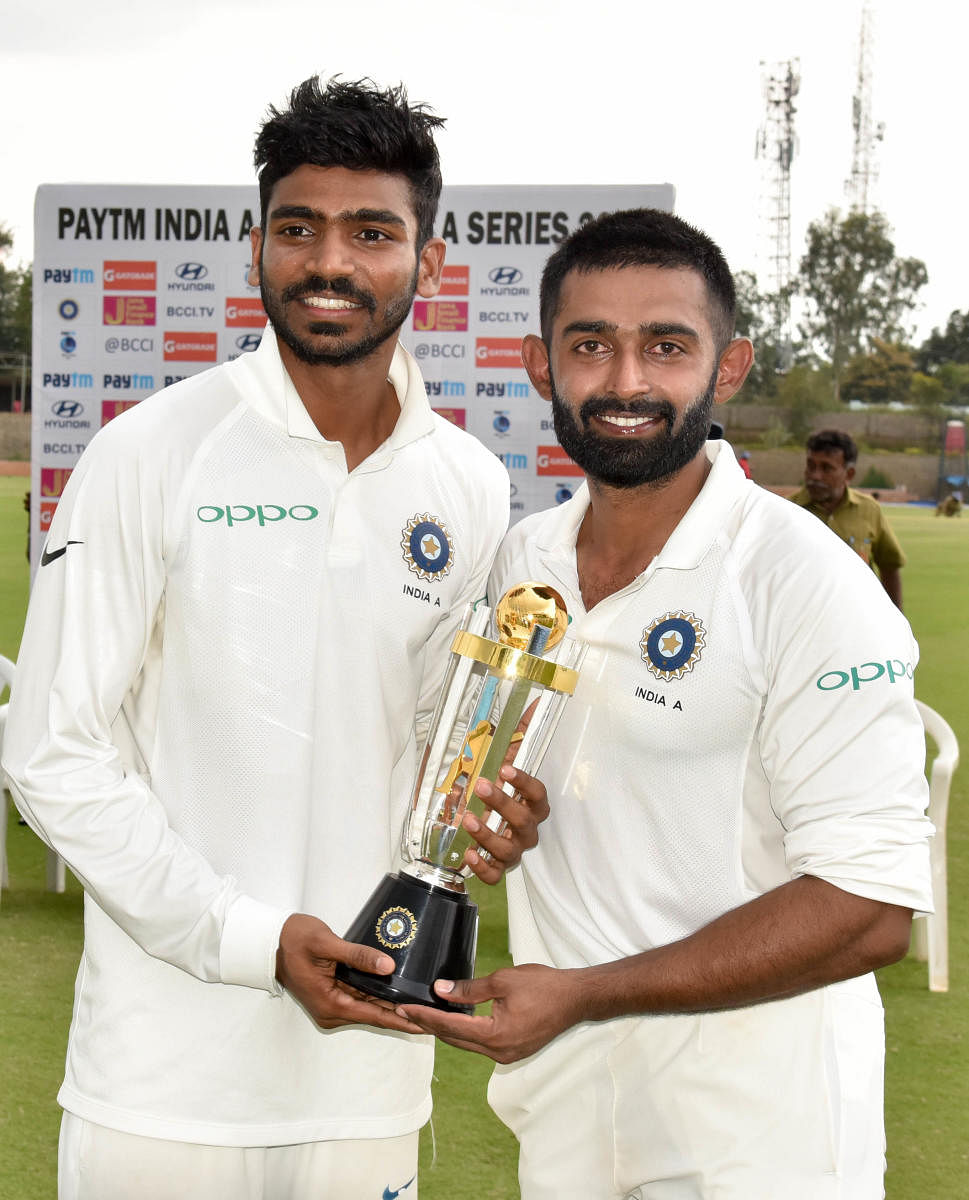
(500, 703)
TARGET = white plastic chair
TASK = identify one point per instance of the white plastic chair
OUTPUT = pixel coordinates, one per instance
(930, 940)
(6, 680)
(55, 864)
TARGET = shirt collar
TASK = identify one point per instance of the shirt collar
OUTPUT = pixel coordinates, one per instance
(268, 388)
(696, 532)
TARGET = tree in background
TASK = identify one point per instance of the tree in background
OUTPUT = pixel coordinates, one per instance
(943, 360)
(883, 376)
(948, 346)
(15, 303)
(855, 288)
(803, 392)
(756, 319)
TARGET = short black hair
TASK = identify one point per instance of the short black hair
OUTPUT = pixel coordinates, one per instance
(827, 440)
(358, 126)
(641, 237)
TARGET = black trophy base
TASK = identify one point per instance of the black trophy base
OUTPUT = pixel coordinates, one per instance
(430, 932)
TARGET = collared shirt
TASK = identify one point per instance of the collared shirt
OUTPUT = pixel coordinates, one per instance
(744, 715)
(214, 724)
(860, 521)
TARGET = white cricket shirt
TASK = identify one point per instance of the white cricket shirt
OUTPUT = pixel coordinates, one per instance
(744, 715)
(214, 725)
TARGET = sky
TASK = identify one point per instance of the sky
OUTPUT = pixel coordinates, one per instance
(535, 91)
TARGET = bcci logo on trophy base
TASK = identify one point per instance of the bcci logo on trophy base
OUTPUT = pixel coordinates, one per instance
(396, 927)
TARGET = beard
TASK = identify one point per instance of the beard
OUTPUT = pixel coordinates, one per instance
(631, 462)
(346, 352)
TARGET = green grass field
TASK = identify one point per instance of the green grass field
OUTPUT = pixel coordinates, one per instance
(927, 1079)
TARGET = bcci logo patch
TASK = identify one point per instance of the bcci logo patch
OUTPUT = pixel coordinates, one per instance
(672, 645)
(427, 547)
(395, 928)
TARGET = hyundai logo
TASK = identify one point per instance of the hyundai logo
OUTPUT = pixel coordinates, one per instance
(248, 341)
(505, 276)
(68, 409)
(191, 270)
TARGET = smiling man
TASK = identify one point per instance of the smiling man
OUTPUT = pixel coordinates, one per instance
(214, 719)
(737, 832)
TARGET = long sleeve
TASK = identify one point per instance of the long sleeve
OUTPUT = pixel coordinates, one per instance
(71, 750)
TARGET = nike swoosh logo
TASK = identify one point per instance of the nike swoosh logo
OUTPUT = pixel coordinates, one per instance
(389, 1195)
(49, 555)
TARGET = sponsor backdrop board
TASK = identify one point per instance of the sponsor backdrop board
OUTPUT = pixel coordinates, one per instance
(136, 287)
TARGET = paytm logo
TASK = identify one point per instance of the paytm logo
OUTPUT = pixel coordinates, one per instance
(444, 387)
(69, 275)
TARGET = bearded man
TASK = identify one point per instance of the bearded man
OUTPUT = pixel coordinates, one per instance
(737, 834)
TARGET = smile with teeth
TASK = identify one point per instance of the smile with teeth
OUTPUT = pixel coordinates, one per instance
(332, 303)
(626, 423)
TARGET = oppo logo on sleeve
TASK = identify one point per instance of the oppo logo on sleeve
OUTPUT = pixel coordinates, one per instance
(891, 670)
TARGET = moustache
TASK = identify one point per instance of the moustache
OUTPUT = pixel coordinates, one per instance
(338, 287)
(595, 406)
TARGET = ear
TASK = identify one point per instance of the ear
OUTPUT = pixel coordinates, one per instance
(850, 473)
(733, 369)
(535, 358)
(255, 241)
(430, 263)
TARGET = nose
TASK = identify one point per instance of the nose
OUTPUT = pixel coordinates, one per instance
(331, 256)
(629, 376)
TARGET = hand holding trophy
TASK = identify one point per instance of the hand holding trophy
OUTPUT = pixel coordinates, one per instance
(500, 702)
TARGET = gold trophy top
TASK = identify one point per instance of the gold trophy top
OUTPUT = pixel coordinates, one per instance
(523, 607)
(517, 613)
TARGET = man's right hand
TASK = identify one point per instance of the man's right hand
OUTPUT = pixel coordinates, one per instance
(305, 965)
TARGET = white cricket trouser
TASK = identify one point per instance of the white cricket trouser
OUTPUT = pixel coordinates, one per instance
(96, 1163)
(780, 1101)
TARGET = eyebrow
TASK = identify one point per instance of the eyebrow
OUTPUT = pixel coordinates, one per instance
(353, 216)
(647, 328)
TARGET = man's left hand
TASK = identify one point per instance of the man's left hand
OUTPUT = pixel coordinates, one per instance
(522, 813)
(532, 1004)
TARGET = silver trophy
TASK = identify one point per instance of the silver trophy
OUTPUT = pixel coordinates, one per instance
(500, 702)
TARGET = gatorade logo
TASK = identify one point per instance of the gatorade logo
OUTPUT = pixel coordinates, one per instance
(892, 669)
(262, 514)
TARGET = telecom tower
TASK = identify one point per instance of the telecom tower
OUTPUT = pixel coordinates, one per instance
(776, 147)
(860, 186)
